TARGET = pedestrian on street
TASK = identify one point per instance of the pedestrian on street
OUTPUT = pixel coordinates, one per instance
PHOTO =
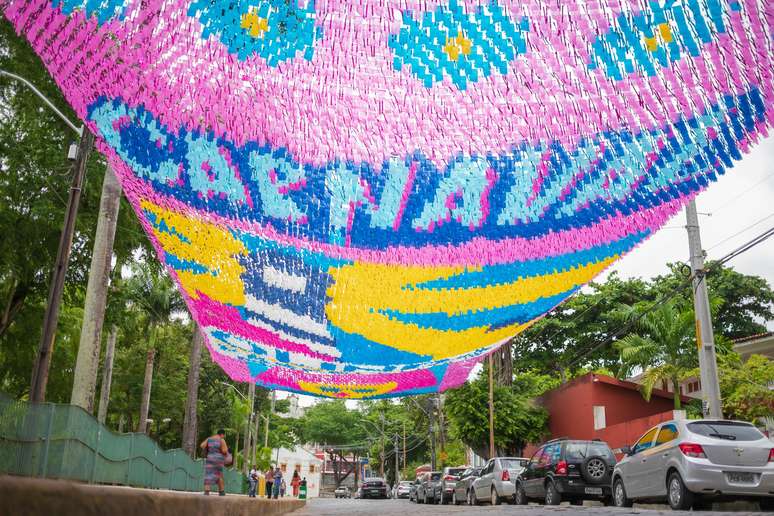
(253, 479)
(215, 452)
(269, 481)
(295, 483)
(277, 482)
(283, 487)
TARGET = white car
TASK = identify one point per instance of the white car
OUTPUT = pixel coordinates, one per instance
(342, 492)
(690, 463)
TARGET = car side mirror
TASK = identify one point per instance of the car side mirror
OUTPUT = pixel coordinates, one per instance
(626, 450)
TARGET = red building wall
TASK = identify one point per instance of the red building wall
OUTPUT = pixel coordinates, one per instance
(627, 414)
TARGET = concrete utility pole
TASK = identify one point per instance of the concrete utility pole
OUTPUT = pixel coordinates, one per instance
(87, 363)
(190, 422)
(381, 440)
(705, 339)
(146, 387)
(51, 317)
(107, 375)
(397, 460)
(432, 439)
(491, 409)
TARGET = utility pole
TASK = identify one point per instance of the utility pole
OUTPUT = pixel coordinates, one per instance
(51, 317)
(705, 338)
(381, 440)
(56, 287)
(491, 409)
(397, 461)
(404, 443)
(87, 362)
(432, 439)
(107, 375)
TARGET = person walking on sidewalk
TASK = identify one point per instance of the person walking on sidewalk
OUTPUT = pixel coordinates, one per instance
(295, 483)
(277, 482)
(215, 451)
(253, 479)
(269, 481)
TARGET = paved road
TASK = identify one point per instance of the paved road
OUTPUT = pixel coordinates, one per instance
(345, 507)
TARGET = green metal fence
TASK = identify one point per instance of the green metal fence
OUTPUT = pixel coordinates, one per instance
(64, 441)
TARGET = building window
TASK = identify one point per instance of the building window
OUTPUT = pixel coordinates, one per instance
(599, 417)
(283, 467)
(311, 468)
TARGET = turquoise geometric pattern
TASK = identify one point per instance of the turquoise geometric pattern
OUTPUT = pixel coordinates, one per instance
(658, 36)
(104, 10)
(462, 46)
(276, 30)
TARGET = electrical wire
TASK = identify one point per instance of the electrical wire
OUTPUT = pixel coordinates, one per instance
(767, 217)
(736, 252)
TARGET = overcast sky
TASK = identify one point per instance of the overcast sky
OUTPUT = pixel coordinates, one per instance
(742, 206)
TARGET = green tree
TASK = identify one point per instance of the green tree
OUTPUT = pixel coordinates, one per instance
(331, 422)
(518, 419)
(745, 386)
(662, 344)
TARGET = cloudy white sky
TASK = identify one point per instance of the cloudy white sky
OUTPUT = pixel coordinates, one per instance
(740, 202)
(741, 205)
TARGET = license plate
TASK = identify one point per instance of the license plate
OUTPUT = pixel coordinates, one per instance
(593, 490)
(744, 477)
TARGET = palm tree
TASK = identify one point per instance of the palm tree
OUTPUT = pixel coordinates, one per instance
(662, 344)
(155, 294)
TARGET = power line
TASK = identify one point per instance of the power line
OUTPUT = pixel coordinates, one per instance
(736, 252)
(744, 192)
(767, 217)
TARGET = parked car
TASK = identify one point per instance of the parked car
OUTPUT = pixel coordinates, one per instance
(567, 470)
(413, 492)
(427, 487)
(463, 485)
(496, 481)
(342, 492)
(374, 487)
(445, 486)
(403, 489)
(690, 463)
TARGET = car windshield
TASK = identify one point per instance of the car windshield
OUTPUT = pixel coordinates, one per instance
(435, 476)
(456, 471)
(580, 450)
(406, 483)
(513, 463)
(726, 430)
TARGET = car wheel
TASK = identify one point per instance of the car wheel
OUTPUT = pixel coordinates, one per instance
(619, 494)
(494, 498)
(679, 497)
(520, 497)
(454, 497)
(553, 497)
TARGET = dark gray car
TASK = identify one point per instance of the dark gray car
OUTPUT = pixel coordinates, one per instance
(462, 486)
(428, 486)
(445, 487)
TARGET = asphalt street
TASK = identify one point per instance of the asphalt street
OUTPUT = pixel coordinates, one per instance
(352, 507)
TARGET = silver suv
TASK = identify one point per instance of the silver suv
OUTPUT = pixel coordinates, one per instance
(690, 463)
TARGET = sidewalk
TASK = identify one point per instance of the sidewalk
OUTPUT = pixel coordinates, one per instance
(23, 496)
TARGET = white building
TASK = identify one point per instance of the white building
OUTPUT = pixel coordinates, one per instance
(303, 461)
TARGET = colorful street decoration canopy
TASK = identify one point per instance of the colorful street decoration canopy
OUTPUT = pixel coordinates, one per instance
(361, 199)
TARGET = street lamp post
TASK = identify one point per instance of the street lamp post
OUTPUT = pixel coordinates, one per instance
(51, 317)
